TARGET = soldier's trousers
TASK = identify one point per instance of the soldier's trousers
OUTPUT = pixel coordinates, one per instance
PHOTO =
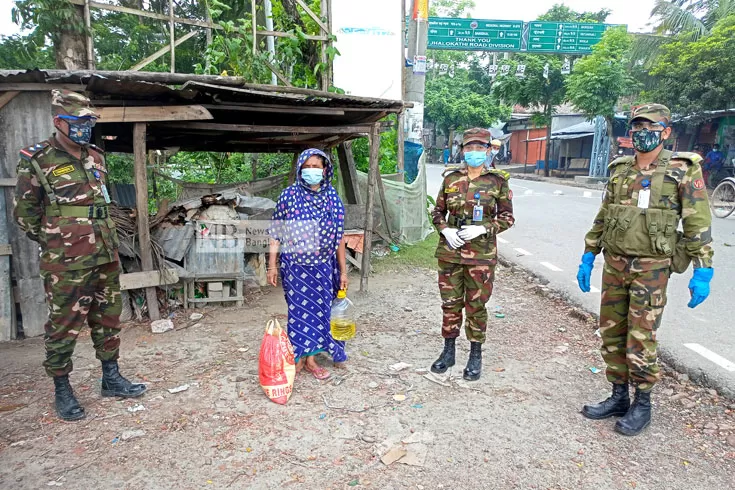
(469, 287)
(75, 296)
(630, 314)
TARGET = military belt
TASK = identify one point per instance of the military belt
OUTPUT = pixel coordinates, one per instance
(458, 222)
(68, 211)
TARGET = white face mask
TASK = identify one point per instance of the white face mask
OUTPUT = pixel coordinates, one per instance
(494, 152)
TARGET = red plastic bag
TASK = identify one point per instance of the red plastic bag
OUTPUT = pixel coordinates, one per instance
(276, 368)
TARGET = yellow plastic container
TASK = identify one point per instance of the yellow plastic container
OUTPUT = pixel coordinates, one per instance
(342, 324)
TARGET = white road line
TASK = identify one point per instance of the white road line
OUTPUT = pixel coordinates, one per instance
(592, 288)
(522, 252)
(502, 240)
(551, 267)
(711, 356)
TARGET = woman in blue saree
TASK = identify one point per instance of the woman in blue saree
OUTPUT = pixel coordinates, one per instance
(308, 229)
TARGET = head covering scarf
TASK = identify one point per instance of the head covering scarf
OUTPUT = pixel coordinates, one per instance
(309, 224)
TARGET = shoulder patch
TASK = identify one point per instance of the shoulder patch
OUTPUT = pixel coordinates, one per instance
(689, 157)
(626, 160)
(31, 151)
(502, 173)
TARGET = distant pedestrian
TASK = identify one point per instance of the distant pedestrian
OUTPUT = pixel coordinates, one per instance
(493, 153)
(713, 163)
(62, 202)
(646, 198)
(473, 206)
(446, 154)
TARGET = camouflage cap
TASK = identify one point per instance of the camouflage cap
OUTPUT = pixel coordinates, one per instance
(479, 135)
(68, 103)
(652, 112)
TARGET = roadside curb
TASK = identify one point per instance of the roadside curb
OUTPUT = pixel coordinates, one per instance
(556, 181)
(667, 359)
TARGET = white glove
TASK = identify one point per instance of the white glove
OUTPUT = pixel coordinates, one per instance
(453, 240)
(470, 232)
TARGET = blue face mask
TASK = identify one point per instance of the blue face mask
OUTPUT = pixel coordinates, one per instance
(475, 158)
(80, 128)
(312, 176)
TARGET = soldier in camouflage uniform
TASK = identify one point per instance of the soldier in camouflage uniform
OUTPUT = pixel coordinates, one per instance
(646, 198)
(61, 202)
(473, 206)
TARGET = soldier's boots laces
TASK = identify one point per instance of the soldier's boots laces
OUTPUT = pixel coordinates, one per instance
(474, 363)
(638, 417)
(67, 406)
(615, 406)
(446, 360)
(113, 384)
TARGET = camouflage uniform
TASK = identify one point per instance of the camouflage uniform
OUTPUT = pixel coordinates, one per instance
(466, 275)
(62, 203)
(634, 284)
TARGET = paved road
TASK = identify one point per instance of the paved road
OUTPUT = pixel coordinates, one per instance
(551, 221)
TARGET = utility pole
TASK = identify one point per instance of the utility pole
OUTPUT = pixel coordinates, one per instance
(270, 41)
(418, 38)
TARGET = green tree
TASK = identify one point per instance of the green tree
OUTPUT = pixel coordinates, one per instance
(455, 103)
(600, 79)
(451, 8)
(561, 13)
(534, 90)
(695, 18)
(25, 53)
(695, 76)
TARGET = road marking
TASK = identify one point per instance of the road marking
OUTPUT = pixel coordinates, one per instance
(522, 252)
(551, 267)
(502, 240)
(592, 288)
(711, 356)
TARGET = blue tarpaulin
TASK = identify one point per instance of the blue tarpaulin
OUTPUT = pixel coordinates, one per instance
(411, 154)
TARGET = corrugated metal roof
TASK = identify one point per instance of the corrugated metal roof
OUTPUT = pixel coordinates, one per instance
(175, 240)
(123, 194)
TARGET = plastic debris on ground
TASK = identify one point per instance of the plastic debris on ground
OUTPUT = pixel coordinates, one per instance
(399, 397)
(162, 326)
(196, 316)
(136, 408)
(595, 370)
(178, 389)
(400, 366)
(499, 312)
(132, 434)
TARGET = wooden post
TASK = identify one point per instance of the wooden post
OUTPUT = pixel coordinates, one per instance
(383, 202)
(402, 116)
(372, 180)
(172, 35)
(8, 322)
(141, 204)
(349, 173)
(255, 26)
(401, 143)
(88, 36)
(254, 166)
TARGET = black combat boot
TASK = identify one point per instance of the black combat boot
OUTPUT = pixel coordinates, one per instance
(67, 406)
(474, 363)
(638, 417)
(615, 406)
(446, 360)
(113, 384)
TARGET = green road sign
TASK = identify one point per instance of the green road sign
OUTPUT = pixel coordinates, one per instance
(511, 35)
(475, 35)
(563, 37)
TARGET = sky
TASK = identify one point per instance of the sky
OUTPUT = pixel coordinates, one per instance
(634, 13)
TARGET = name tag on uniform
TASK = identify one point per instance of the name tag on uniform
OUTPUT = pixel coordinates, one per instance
(106, 194)
(477, 213)
(644, 198)
(452, 189)
(66, 169)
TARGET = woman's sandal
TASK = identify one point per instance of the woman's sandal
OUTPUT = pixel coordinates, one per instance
(319, 372)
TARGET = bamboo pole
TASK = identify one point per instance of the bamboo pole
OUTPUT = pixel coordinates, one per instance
(324, 59)
(255, 26)
(88, 36)
(172, 34)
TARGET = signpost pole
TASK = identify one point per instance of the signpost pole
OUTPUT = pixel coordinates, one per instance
(418, 35)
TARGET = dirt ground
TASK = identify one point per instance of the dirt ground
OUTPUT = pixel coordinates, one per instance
(518, 427)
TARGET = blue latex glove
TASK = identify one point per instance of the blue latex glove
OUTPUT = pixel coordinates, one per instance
(585, 272)
(699, 286)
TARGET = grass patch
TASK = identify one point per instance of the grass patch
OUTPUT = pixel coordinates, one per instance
(410, 256)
